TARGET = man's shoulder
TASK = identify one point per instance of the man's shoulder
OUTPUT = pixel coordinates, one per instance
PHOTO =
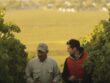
(50, 59)
(69, 57)
(33, 60)
(85, 54)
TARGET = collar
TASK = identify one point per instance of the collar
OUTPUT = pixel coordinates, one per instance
(43, 61)
(77, 58)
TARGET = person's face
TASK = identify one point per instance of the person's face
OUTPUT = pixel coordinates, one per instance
(42, 55)
(70, 50)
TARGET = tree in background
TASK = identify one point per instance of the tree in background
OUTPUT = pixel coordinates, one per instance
(13, 57)
(98, 64)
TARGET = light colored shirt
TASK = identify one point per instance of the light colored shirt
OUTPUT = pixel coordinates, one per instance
(46, 71)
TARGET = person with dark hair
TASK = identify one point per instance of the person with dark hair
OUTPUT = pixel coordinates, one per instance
(73, 71)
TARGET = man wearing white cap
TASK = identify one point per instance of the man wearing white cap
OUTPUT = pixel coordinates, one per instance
(42, 69)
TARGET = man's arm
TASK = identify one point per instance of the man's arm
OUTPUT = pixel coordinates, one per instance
(57, 74)
(28, 72)
(65, 74)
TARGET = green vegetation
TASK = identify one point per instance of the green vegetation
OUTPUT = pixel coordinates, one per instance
(13, 57)
(98, 47)
(54, 28)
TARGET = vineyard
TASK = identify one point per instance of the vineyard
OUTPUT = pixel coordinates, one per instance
(98, 46)
(13, 57)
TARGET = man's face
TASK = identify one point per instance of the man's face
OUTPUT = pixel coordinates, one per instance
(42, 55)
(71, 51)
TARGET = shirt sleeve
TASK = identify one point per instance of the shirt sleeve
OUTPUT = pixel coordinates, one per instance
(28, 72)
(57, 74)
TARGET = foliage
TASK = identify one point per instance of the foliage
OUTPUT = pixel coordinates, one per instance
(13, 57)
(98, 64)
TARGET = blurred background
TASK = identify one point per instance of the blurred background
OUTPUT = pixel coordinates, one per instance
(54, 22)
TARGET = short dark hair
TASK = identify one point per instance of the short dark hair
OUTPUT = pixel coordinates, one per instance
(74, 43)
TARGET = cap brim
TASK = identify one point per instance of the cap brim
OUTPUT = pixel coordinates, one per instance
(40, 49)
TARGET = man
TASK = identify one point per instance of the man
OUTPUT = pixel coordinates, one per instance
(42, 69)
(73, 71)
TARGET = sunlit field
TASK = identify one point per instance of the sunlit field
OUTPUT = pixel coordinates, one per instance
(54, 28)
